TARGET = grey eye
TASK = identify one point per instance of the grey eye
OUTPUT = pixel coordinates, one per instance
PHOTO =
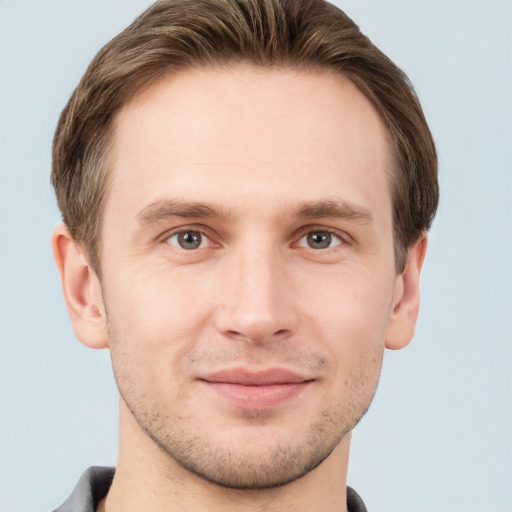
(188, 240)
(320, 240)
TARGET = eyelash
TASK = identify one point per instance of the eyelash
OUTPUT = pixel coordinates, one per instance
(343, 238)
(304, 232)
(332, 238)
(192, 229)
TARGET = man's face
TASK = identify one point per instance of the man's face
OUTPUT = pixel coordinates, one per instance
(248, 268)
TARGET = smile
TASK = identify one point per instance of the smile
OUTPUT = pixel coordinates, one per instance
(257, 391)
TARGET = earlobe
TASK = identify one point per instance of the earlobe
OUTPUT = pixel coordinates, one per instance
(406, 300)
(82, 290)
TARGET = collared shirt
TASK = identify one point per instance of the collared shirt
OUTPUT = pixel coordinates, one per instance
(95, 483)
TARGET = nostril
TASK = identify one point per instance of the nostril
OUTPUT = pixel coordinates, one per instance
(257, 336)
(235, 334)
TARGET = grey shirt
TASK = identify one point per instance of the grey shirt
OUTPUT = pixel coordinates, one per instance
(95, 483)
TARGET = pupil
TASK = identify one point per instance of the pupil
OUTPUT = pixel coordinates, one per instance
(189, 240)
(319, 240)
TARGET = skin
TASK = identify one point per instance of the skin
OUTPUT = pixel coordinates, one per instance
(283, 179)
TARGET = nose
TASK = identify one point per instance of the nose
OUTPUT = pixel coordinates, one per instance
(256, 302)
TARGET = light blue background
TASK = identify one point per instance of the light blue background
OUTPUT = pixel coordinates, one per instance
(439, 434)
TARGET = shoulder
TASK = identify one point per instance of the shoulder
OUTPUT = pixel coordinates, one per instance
(354, 501)
(90, 489)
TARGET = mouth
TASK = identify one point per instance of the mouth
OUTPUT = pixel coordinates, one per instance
(257, 390)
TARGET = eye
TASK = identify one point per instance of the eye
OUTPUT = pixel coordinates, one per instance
(320, 240)
(188, 240)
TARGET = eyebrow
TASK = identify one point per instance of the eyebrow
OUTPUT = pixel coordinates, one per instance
(334, 210)
(163, 209)
(169, 208)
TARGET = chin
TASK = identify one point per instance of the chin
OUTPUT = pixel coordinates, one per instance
(252, 456)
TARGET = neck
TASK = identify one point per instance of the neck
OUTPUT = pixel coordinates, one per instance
(146, 478)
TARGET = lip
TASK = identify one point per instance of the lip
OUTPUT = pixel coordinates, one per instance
(256, 390)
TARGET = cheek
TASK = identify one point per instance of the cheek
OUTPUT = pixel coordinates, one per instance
(349, 317)
(148, 339)
(156, 308)
(349, 306)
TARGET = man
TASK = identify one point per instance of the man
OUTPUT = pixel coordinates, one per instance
(246, 187)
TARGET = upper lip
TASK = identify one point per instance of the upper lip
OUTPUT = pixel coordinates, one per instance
(270, 377)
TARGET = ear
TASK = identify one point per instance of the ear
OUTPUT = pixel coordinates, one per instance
(82, 290)
(406, 299)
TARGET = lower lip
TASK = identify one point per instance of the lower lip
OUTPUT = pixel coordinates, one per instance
(258, 397)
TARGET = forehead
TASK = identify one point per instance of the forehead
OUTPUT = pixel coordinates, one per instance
(205, 131)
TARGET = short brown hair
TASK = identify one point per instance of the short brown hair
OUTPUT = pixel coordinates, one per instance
(179, 34)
